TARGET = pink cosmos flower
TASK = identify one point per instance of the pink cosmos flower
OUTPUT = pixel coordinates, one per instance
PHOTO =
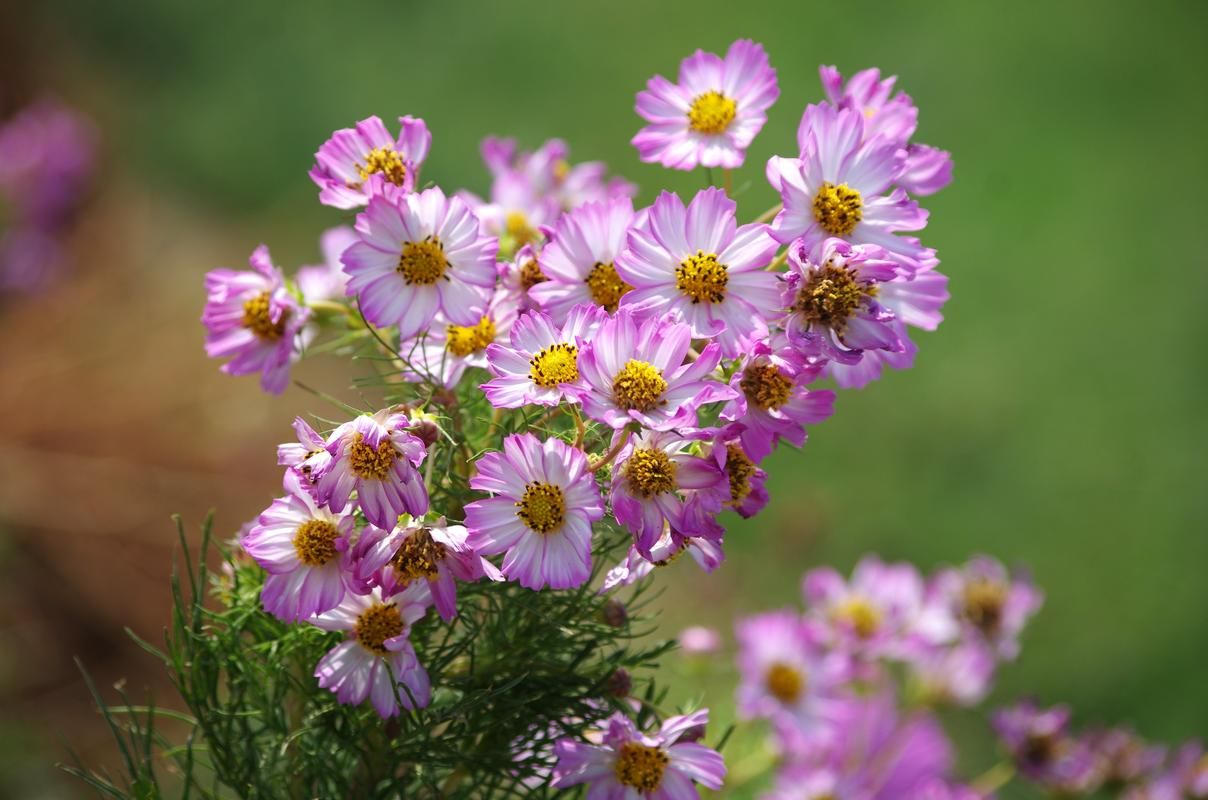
(695, 265)
(635, 371)
(358, 163)
(434, 553)
(47, 157)
(377, 660)
(960, 675)
(875, 613)
(579, 264)
(982, 603)
(327, 281)
(631, 765)
(443, 353)
(1044, 750)
(550, 174)
(377, 457)
(420, 254)
(252, 318)
(541, 365)
(657, 482)
(521, 273)
(713, 114)
(895, 117)
(837, 188)
(544, 501)
(787, 670)
(773, 401)
(747, 480)
(707, 553)
(914, 303)
(303, 547)
(307, 458)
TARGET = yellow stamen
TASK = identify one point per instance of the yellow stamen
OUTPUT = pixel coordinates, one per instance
(838, 209)
(542, 507)
(785, 683)
(555, 365)
(366, 462)
(640, 766)
(257, 318)
(765, 386)
(386, 162)
(701, 278)
(418, 557)
(638, 386)
(315, 542)
(649, 472)
(711, 113)
(466, 340)
(375, 625)
(423, 263)
(606, 286)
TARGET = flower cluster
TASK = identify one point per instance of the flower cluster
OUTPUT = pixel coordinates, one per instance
(569, 376)
(46, 160)
(848, 685)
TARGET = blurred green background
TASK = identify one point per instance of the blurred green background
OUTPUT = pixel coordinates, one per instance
(1056, 419)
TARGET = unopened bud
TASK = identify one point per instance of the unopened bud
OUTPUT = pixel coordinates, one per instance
(614, 614)
(619, 683)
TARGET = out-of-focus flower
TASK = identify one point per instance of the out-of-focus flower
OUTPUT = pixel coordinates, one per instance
(327, 281)
(635, 371)
(711, 116)
(377, 661)
(699, 640)
(1042, 748)
(47, 154)
(697, 266)
(544, 502)
(629, 764)
(420, 254)
(358, 163)
(981, 602)
(875, 612)
(251, 318)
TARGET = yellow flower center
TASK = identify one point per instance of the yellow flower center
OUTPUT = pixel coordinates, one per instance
(542, 507)
(463, 341)
(838, 209)
(702, 278)
(641, 767)
(785, 682)
(315, 542)
(418, 557)
(650, 471)
(861, 615)
(386, 162)
(375, 625)
(423, 262)
(555, 365)
(739, 468)
(983, 602)
(765, 386)
(257, 318)
(516, 225)
(711, 113)
(531, 274)
(606, 286)
(638, 386)
(831, 294)
(367, 462)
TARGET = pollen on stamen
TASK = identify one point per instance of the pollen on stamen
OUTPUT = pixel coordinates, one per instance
(649, 471)
(701, 278)
(711, 113)
(542, 507)
(765, 386)
(418, 557)
(423, 262)
(640, 766)
(739, 469)
(384, 161)
(555, 365)
(315, 542)
(606, 287)
(257, 317)
(831, 294)
(838, 209)
(638, 386)
(465, 340)
(368, 462)
(376, 625)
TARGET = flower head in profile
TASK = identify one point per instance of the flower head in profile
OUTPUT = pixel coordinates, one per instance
(358, 163)
(579, 264)
(637, 371)
(696, 265)
(544, 501)
(707, 553)
(895, 117)
(540, 365)
(711, 116)
(307, 458)
(1043, 748)
(420, 254)
(657, 482)
(376, 456)
(630, 764)
(251, 318)
(774, 401)
(303, 548)
(841, 187)
(376, 661)
(434, 553)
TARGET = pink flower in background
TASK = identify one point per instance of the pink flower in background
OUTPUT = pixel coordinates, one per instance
(377, 661)
(630, 764)
(420, 254)
(711, 116)
(841, 187)
(47, 157)
(961, 675)
(302, 547)
(1044, 750)
(544, 501)
(444, 352)
(773, 401)
(326, 281)
(579, 264)
(698, 640)
(521, 273)
(375, 456)
(541, 364)
(435, 553)
(874, 613)
(697, 266)
(979, 603)
(927, 169)
(358, 163)
(635, 371)
(252, 319)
